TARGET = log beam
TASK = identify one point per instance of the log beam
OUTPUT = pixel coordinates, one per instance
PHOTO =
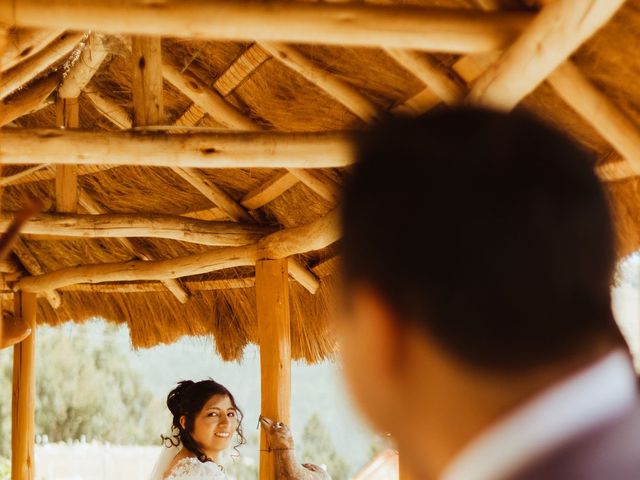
(28, 100)
(269, 191)
(24, 392)
(450, 30)
(109, 109)
(22, 73)
(278, 245)
(84, 68)
(274, 327)
(32, 265)
(173, 285)
(195, 150)
(172, 227)
(552, 37)
(23, 44)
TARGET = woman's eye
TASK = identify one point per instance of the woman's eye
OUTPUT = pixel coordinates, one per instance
(213, 414)
(232, 414)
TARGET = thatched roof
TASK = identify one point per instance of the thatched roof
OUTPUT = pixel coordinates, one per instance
(244, 85)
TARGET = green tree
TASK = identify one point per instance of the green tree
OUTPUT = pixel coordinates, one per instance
(318, 448)
(84, 388)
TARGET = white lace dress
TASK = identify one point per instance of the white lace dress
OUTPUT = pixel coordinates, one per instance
(190, 468)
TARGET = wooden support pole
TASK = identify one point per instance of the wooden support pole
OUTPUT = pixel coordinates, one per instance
(552, 37)
(24, 392)
(348, 24)
(67, 116)
(274, 325)
(146, 55)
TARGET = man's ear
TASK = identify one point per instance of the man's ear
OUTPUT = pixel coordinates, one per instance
(387, 332)
(183, 422)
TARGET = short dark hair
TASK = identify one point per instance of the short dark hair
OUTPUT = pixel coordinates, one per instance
(490, 230)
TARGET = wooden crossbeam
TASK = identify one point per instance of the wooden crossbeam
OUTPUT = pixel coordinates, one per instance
(401, 26)
(43, 173)
(28, 100)
(154, 287)
(555, 33)
(173, 285)
(219, 149)
(24, 72)
(172, 227)
(23, 44)
(283, 244)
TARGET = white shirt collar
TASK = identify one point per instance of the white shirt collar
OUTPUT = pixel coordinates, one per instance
(593, 396)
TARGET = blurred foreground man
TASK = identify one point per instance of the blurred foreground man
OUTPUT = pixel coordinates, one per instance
(478, 259)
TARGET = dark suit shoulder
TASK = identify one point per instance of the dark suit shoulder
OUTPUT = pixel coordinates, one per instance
(611, 452)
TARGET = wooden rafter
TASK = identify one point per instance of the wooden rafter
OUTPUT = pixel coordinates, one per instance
(24, 44)
(282, 244)
(28, 100)
(552, 37)
(461, 31)
(32, 265)
(268, 191)
(342, 91)
(109, 109)
(319, 183)
(241, 69)
(218, 149)
(85, 67)
(152, 287)
(67, 116)
(173, 227)
(93, 208)
(26, 71)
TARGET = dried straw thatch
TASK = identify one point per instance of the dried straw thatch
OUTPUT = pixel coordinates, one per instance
(270, 96)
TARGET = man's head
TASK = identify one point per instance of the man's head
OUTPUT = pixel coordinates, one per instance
(484, 238)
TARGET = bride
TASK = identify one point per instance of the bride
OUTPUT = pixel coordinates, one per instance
(205, 419)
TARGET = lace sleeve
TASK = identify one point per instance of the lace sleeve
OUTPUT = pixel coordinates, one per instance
(191, 468)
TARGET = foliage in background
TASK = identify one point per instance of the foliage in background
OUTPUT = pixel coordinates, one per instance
(318, 448)
(85, 389)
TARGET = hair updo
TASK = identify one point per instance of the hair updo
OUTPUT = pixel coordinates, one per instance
(187, 400)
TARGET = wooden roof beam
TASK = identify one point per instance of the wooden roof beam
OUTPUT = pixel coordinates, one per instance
(283, 244)
(218, 149)
(23, 44)
(401, 26)
(26, 71)
(92, 207)
(340, 90)
(109, 109)
(556, 32)
(268, 191)
(172, 227)
(28, 100)
(85, 67)
(154, 286)
(32, 265)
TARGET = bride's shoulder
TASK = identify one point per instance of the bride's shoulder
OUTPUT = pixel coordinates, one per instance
(190, 468)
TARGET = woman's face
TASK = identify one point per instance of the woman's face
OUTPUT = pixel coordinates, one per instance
(216, 423)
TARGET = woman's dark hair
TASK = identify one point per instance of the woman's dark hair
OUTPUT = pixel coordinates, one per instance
(188, 399)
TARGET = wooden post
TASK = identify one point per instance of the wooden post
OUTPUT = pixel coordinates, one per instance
(272, 291)
(67, 116)
(146, 54)
(24, 393)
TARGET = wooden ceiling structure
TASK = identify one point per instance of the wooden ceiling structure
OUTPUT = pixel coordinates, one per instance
(190, 152)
